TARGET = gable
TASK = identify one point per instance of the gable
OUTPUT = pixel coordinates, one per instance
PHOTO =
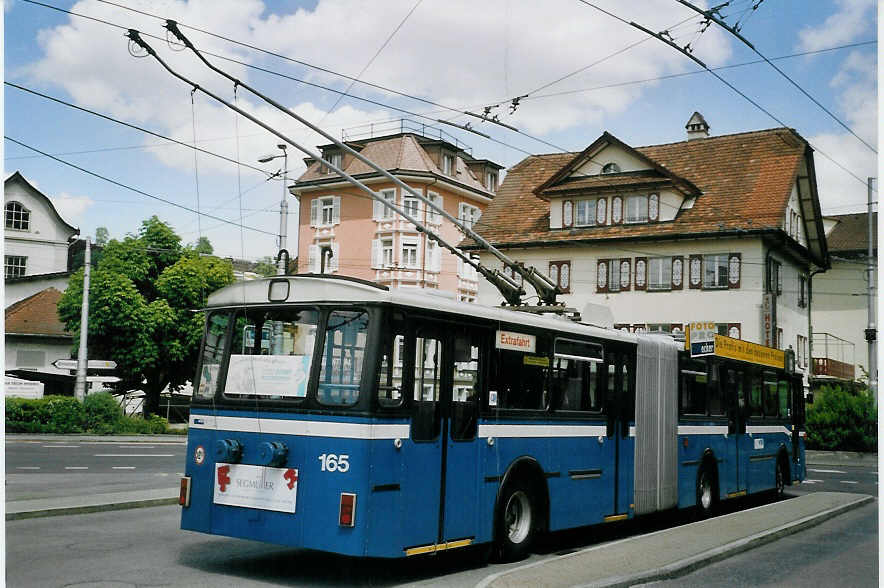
(46, 223)
(623, 159)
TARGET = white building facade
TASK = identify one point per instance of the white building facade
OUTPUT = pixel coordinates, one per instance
(719, 229)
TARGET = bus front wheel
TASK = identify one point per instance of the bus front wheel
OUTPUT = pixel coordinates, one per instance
(516, 522)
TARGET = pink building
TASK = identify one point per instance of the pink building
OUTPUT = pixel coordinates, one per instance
(370, 241)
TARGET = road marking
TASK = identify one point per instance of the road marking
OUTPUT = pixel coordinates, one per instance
(848, 482)
(76, 468)
(28, 468)
(138, 446)
(123, 467)
(808, 481)
(60, 445)
(134, 455)
(826, 471)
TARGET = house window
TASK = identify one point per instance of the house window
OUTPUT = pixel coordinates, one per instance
(409, 252)
(468, 214)
(329, 251)
(325, 211)
(333, 158)
(448, 164)
(560, 273)
(381, 210)
(802, 291)
(491, 181)
(715, 271)
(774, 277)
(434, 215)
(637, 209)
(17, 216)
(586, 213)
(609, 271)
(514, 276)
(659, 273)
(387, 252)
(15, 266)
(611, 168)
(410, 204)
(801, 352)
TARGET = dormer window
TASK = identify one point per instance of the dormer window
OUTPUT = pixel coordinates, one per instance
(491, 181)
(17, 216)
(611, 168)
(448, 164)
(335, 159)
(637, 209)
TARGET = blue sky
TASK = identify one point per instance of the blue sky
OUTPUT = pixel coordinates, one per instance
(458, 54)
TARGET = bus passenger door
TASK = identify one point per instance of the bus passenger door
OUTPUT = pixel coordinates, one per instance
(460, 417)
(733, 382)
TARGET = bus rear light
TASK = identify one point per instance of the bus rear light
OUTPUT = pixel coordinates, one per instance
(184, 492)
(347, 512)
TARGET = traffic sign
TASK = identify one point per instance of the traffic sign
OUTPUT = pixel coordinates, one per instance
(93, 364)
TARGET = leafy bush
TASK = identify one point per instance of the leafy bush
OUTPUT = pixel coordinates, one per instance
(842, 419)
(102, 413)
(50, 414)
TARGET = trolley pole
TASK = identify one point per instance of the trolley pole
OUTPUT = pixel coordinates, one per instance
(82, 360)
(871, 331)
(283, 213)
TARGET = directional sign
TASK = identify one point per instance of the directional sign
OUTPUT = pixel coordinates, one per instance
(93, 364)
(103, 379)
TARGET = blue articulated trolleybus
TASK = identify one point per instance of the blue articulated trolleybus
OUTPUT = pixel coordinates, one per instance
(386, 423)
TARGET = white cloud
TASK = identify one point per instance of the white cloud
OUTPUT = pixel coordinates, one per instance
(845, 25)
(71, 207)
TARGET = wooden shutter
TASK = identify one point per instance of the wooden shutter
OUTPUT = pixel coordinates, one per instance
(617, 210)
(695, 272)
(377, 208)
(314, 212)
(334, 262)
(313, 258)
(676, 328)
(567, 213)
(641, 273)
(565, 277)
(625, 274)
(677, 272)
(336, 210)
(376, 260)
(601, 211)
(601, 282)
(739, 332)
(734, 270)
(654, 207)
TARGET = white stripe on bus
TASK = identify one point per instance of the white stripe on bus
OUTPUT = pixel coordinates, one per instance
(702, 429)
(542, 431)
(768, 429)
(305, 428)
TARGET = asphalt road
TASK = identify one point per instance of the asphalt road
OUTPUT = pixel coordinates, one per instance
(56, 457)
(145, 547)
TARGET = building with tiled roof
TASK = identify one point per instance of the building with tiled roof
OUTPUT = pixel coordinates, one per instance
(719, 229)
(34, 338)
(342, 230)
(840, 308)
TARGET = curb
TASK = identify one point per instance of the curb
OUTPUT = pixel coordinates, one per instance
(67, 510)
(685, 566)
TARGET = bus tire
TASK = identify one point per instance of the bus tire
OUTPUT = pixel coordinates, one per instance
(517, 519)
(707, 492)
(780, 478)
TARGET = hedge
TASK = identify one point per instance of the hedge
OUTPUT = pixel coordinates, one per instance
(98, 414)
(841, 419)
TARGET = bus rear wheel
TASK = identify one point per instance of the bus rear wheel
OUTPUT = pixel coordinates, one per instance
(780, 481)
(516, 522)
(706, 493)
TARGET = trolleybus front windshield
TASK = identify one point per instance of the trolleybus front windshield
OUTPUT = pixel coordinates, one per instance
(270, 355)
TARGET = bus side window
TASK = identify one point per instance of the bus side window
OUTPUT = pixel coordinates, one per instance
(715, 390)
(213, 352)
(522, 378)
(465, 390)
(627, 387)
(426, 420)
(755, 392)
(769, 394)
(390, 372)
(784, 399)
(577, 382)
(694, 380)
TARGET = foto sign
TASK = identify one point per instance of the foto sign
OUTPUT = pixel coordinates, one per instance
(701, 337)
(92, 364)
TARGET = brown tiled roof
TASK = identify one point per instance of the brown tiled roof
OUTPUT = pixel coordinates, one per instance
(852, 232)
(606, 181)
(402, 153)
(745, 180)
(36, 315)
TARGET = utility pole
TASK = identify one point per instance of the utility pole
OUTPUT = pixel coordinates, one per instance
(82, 360)
(871, 332)
(281, 262)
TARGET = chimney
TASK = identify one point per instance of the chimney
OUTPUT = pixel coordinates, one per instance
(697, 127)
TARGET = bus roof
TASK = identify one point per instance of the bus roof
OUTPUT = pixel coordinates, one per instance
(315, 288)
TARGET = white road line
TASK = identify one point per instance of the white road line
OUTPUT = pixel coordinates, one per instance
(826, 471)
(123, 467)
(848, 482)
(134, 455)
(808, 481)
(53, 446)
(28, 468)
(76, 468)
(138, 446)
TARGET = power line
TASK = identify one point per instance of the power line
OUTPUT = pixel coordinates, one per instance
(136, 190)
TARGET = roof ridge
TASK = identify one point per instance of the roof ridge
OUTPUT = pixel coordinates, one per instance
(718, 137)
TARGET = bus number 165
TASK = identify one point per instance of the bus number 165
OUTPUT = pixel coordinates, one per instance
(334, 463)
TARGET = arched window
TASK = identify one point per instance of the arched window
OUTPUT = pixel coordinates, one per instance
(611, 168)
(17, 216)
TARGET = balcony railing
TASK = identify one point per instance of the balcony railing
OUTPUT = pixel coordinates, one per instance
(403, 125)
(833, 357)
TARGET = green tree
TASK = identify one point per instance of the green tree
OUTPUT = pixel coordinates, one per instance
(101, 236)
(266, 267)
(203, 246)
(141, 298)
(842, 418)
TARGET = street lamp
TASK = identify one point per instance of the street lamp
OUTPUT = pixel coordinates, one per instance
(283, 207)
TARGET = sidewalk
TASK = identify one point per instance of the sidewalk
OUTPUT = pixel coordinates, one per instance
(676, 551)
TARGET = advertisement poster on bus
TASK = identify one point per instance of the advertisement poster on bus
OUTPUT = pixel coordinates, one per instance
(268, 375)
(253, 486)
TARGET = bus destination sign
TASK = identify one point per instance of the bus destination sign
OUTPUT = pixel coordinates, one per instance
(516, 341)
